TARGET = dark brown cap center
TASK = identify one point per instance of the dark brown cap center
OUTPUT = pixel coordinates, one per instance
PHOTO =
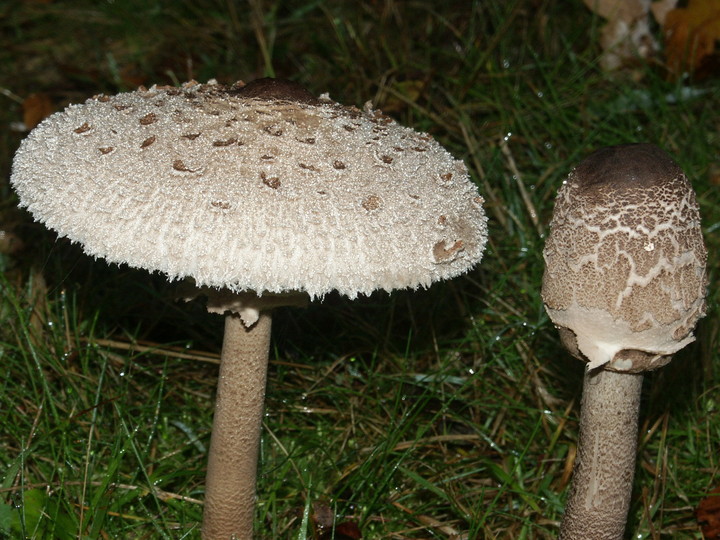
(280, 89)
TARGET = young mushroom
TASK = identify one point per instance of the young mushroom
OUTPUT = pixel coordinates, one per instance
(265, 196)
(625, 284)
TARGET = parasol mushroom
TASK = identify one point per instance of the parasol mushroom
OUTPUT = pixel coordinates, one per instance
(264, 195)
(625, 284)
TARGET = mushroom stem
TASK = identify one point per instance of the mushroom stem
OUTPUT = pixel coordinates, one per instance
(234, 445)
(605, 465)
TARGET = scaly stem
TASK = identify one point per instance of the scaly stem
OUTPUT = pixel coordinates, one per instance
(602, 482)
(234, 445)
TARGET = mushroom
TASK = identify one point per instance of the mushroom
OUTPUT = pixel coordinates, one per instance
(265, 196)
(625, 284)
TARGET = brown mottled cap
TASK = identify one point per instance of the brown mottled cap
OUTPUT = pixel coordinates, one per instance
(626, 166)
(625, 276)
(259, 188)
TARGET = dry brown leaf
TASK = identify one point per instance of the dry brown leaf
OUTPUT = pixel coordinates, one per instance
(661, 8)
(708, 515)
(35, 108)
(326, 527)
(10, 242)
(714, 174)
(347, 530)
(690, 35)
(623, 10)
(626, 37)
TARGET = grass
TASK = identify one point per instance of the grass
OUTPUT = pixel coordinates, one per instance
(444, 413)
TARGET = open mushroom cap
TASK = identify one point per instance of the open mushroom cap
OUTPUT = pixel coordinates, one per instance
(259, 187)
(625, 276)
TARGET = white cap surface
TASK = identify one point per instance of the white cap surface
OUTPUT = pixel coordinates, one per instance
(250, 193)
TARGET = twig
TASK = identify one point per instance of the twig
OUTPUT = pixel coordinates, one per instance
(161, 494)
(505, 149)
(488, 191)
(404, 445)
(173, 352)
(428, 521)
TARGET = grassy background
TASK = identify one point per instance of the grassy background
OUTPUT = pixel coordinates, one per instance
(444, 413)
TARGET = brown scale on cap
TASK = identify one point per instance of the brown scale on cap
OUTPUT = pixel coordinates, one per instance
(373, 202)
(148, 142)
(443, 252)
(148, 119)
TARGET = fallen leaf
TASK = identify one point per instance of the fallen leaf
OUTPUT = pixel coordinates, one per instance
(323, 515)
(708, 515)
(624, 10)
(326, 528)
(690, 34)
(661, 8)
(626, 37)
(10, 243)
(714, 174)
(347, 530)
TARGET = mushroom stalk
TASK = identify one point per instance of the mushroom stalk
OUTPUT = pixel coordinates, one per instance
(234, 445)
(605, 465)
